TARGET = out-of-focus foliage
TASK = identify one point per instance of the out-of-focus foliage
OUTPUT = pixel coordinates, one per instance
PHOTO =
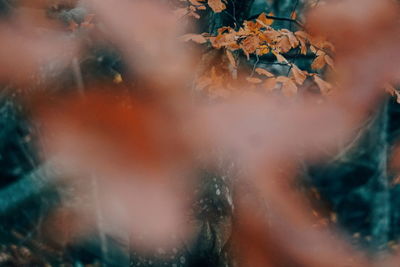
(181, 147)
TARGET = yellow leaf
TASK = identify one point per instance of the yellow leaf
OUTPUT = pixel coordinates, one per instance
(262, 50)
(117, 78)
(264, 72)
(216, 5)
(298, 75)
(197, 38)
(230, 57)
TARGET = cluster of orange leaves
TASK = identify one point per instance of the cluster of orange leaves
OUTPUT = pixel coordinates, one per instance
(193, 6)
(259, 38)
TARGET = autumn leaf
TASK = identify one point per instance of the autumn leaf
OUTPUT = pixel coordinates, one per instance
(284, 44)
(216, 5)
(264, 72)
(294, 42)
(329, 61)
(324, 86)
(253, 80)
(279, 57)
(298, 75)
(264, 21)
(289, 88)
(197, 38)
(250, 44)
(319, 62)
(270, 84)
(195, 3)
(262, 50)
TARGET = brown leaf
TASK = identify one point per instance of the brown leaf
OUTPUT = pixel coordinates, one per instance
(216, 5)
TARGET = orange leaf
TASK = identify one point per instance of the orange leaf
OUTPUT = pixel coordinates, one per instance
(279, 57)
(253, 80)
(324, 86)
(298, 75)
(329, 61)
(289, 88)
(195, 3)
(263, 20)
(264, 72)
(284, 44)
(250, 44)
(197, 38)
(216, 5)
(270, 84)
(319, 62)
(294, 42)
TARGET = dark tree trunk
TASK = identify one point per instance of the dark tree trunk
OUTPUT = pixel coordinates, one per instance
(355, 183)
